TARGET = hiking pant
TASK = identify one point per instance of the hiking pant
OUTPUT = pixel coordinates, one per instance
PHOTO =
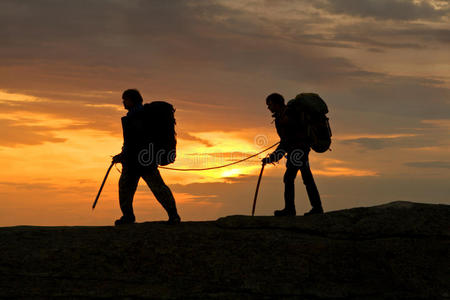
(128, 183)
(298, 160)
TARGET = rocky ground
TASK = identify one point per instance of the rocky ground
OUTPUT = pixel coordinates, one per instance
(399, 250)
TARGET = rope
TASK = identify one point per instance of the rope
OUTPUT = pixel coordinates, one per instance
(212, 168)
(223, 166)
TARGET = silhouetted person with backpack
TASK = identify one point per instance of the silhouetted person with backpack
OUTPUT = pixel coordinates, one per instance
(294, 143)
(136, 140)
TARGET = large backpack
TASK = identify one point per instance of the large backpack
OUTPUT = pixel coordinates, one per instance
(160, 127)
(311, 110)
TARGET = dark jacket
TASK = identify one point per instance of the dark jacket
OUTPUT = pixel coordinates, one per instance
(135, 138)
(292, 132)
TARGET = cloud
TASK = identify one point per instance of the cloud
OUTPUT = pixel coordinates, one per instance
(34, 186)
(405, 10)
(380, 35)
(357, 35)
(437, 123)
(420, 135)
(226, 57)
(338, 168)
(143, 42)
(70, 114)
(412, 97)
(418, 141)
(14, 135)
(187, 136)
(33, 121)
(429, 164)
(235, 155)
(214, 52)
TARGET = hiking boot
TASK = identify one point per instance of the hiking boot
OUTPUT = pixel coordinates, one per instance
(285, 213)
(174, 219)
(314, 211)
(125, 220)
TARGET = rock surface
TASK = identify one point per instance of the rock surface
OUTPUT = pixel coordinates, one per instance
(394, 251)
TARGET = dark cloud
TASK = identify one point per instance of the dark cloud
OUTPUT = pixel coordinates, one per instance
(134, 39)
(406, 10)
(429, 164)
(97, 45)
(412, 97)
(200, 50)
(360, 38)
(422, 32)
(375, 50)
(196, 46)
(190, 137)
(398, 142)
(379, 35)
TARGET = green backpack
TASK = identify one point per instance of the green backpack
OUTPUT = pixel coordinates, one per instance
(311, 110)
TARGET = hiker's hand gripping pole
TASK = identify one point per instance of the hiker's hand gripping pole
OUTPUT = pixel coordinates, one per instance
(101, 187)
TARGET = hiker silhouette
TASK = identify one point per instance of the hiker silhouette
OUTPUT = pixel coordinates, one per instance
(293, 142)
(141, 154)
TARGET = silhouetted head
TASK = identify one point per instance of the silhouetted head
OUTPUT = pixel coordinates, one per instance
(131, 97)
(275, 103)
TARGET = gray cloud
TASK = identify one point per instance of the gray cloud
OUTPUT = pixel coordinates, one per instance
(412, 97)
(429, 164)
(386, 36)
(400, 142)
(369, 40)
(384, 9)
(201, 50)
(121, 41)
(423, 32)
(190, 137)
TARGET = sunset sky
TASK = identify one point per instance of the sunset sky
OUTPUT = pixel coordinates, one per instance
(382, 66)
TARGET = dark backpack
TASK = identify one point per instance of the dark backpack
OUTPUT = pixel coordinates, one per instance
(160, 127)
(311, 110)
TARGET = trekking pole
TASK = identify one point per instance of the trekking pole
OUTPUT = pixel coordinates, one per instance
(101, 187)
(257, 188)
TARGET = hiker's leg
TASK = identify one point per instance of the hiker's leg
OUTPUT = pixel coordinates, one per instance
(128, 183)
(311, 188)
(289, 186)
(161, 191)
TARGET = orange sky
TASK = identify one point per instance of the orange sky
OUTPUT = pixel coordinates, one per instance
(382, 68)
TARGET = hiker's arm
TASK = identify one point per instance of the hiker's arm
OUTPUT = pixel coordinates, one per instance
(277, 154)
(117, 158)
